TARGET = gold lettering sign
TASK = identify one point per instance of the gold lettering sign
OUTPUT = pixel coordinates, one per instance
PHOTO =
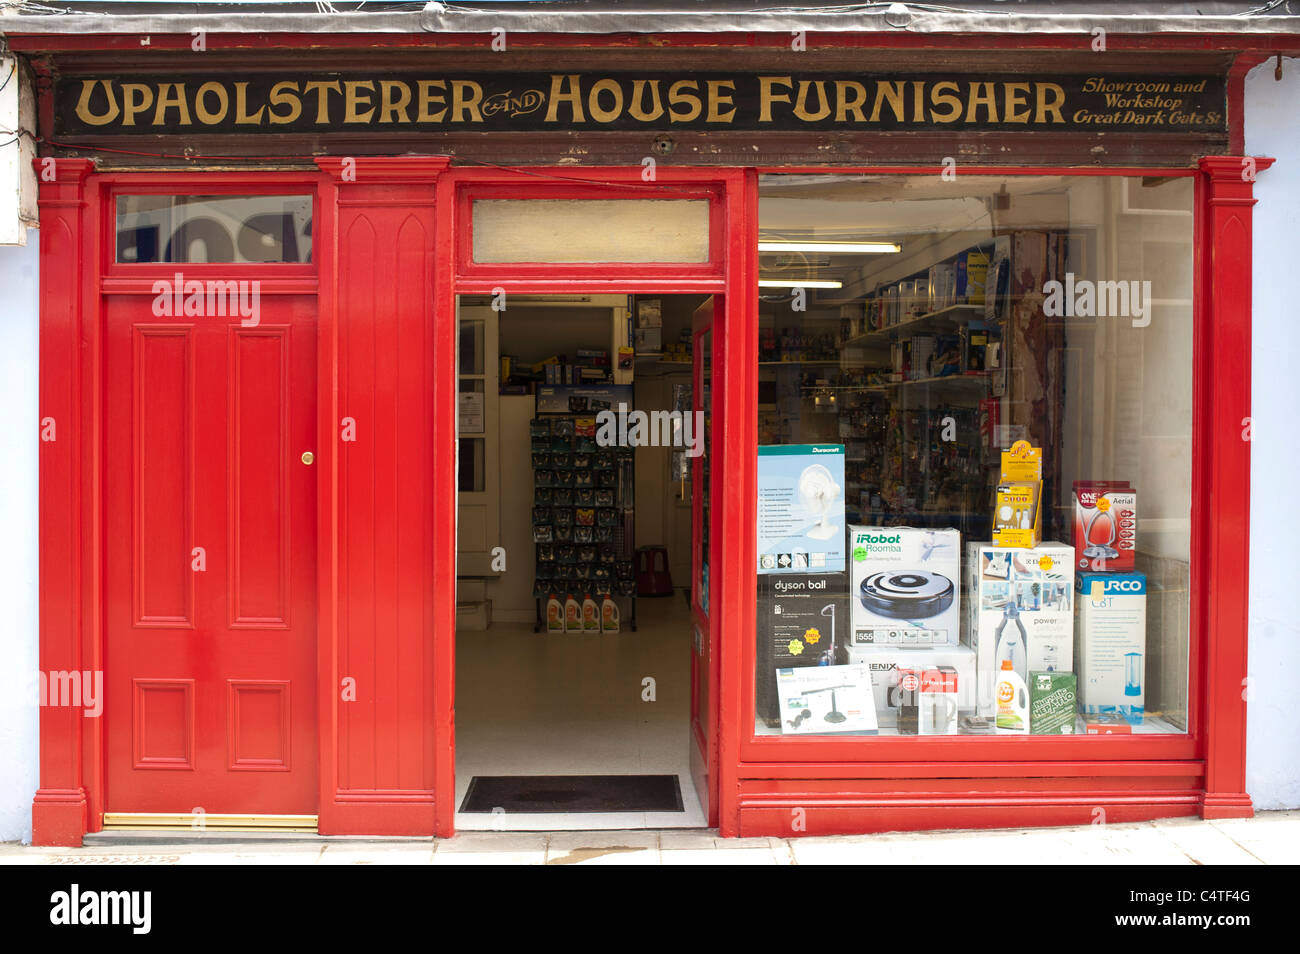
(532, 102)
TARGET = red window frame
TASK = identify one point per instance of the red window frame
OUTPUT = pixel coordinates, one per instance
(963, 750)
(594, 277)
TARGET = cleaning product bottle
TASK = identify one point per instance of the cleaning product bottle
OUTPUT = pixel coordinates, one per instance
(1013, 701)
(590, 615)
(608, 615)
(572, 614)
(554, 614)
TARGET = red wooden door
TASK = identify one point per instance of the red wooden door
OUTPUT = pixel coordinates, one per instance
(210, 509)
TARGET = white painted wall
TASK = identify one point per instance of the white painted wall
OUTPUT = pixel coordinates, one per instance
(1273, 729)
(18, 537)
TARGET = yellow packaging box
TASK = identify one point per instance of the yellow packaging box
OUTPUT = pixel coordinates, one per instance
(1017, 504)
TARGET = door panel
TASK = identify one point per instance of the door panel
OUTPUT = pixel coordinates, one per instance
(478, 506)
(210, 549)
(705, 325)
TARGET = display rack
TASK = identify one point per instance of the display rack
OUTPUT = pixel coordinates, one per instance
(584, 518)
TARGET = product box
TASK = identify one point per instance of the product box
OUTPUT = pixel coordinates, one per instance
(1053, 702)
(1019, 603)
(922, 350)
(971, 269)
(1017, 505)
(974, 345)
(904, 586)
(802, 621)
(649, 339)
(938, 701)
(475, 616)
(1111, 653)
(943, 286)
(801, 508)
(898, 697)
(823, 699)
(1106, 725)
(649, 313)
(1105, 525)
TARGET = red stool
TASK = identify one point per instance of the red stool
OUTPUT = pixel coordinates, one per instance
(652, 576)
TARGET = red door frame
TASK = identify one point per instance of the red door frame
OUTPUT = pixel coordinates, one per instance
(827, 784)
(78, 273)
(727, 191)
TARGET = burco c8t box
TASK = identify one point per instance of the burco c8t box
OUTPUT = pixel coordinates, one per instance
(904, 586)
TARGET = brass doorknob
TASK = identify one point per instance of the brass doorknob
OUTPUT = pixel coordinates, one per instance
(308, 457)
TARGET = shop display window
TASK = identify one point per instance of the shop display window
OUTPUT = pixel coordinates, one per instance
(975, 455)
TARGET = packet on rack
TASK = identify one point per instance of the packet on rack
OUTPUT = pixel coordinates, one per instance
(1017, 508)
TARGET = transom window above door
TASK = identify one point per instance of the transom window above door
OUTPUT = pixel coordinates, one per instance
(214, 228)
(591, 230)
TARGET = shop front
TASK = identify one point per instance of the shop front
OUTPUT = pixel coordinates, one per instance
(961, 532)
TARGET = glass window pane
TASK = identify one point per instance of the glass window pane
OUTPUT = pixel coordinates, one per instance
(912, 332)
(591, 230)
(469, 471)
(471, 347)
(214, 228)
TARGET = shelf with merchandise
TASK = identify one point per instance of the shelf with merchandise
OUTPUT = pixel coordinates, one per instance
(948, 319)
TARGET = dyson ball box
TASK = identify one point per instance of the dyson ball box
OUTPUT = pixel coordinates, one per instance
(1111, 663)
(1020, 607)
(904, 586)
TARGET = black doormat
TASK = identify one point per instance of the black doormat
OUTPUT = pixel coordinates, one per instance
(573, 793)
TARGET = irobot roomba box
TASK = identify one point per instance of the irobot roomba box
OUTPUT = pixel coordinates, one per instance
(905, 586)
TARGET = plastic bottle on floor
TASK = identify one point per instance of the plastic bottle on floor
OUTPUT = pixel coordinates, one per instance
(572, 614)
(608, 615)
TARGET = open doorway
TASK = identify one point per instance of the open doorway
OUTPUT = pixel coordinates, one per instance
(582, 429)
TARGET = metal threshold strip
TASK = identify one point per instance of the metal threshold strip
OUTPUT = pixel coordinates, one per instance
(188, 821)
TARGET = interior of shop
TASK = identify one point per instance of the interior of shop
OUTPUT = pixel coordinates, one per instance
(574, 563)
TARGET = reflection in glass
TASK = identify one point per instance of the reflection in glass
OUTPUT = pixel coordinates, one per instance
(214, 228)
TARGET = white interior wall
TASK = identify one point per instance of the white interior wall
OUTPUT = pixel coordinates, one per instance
(1272, 732)
(18, 543)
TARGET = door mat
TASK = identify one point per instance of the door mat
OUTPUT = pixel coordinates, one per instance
(573, 793)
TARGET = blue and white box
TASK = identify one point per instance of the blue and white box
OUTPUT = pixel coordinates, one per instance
(1111, 610)
(801, 508)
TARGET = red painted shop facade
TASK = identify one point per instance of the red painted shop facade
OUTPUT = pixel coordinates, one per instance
(216, 542)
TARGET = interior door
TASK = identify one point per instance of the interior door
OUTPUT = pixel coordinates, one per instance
(210, 548)
(478, 516)
(706, 324)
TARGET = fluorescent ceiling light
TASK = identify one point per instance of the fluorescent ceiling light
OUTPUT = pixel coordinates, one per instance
(795, 283)
(860, 248)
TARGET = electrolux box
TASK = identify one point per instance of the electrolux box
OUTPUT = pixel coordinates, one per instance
(905, 586)
(889, 665)
(1111, 663)
(1019, 608)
